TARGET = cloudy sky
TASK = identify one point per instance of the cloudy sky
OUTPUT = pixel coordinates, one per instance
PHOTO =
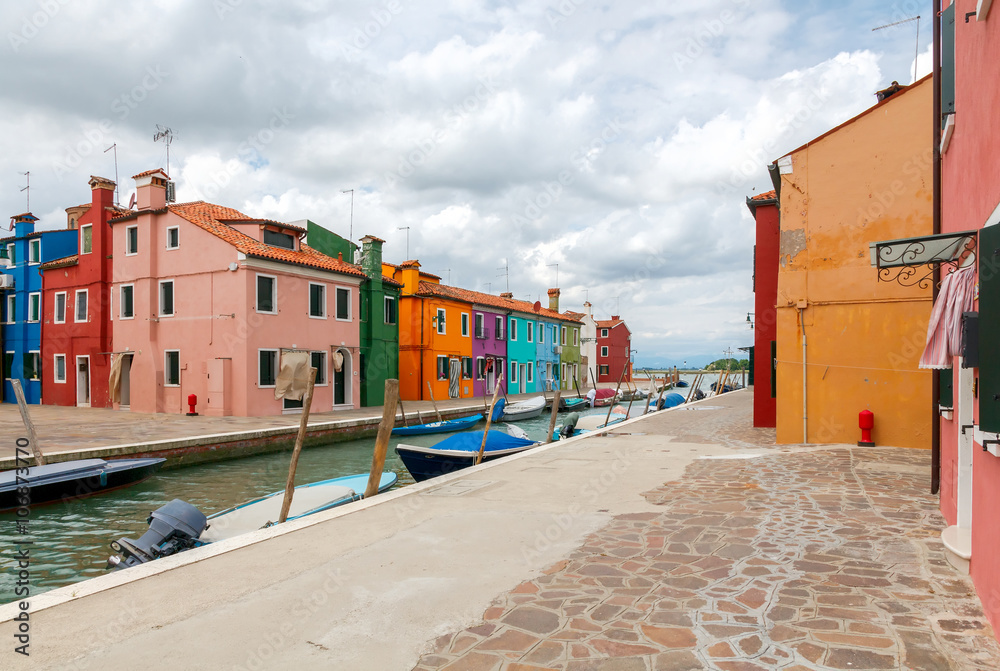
(618, 140)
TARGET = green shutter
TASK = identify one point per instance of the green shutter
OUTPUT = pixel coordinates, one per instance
(947, 62)
(946, 394)
(989, 329)
(774, 369)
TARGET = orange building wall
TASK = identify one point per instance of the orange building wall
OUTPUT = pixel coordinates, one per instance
(866, 181)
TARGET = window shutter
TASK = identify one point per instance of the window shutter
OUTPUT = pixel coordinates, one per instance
(946, 394)
(947, 62)
(989, 319)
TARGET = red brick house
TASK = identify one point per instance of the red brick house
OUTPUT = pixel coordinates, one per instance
(614, 344)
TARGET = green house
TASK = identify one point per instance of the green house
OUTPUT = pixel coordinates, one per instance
(379, 310)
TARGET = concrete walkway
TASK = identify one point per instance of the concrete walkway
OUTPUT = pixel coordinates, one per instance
(681, 540)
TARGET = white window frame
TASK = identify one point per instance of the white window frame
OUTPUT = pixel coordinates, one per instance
(530, 332)
(472, 370)
(562, 337)
(274, 294)
(87, 227)
(34, 301)
(395, 310)
(128, 229)
(480, 371)
(498, 319)
(604, 351)
(447, 367)
(529, 373)
(166, 368)
(121, 301)
(35, 244)
(465, 325)
(167, 240)
(442, 321)
(322, 302)
(513, 372)
(11, 308)
(76, 307)
(7, 369)
(604, 333)
(576, 337)
(173, 298)
(55, 307)
(541, 333)
(37, 356)
(276, 361)
(350, 304)
(321, 371)
(55, 368)
(12, 253)
(512, 331)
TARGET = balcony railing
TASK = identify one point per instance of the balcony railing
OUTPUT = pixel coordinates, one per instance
(501, 335)
(482, 333)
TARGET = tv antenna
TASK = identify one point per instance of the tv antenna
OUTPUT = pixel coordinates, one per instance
(448, 270)
(167, 135)
(350, 235)
(506, 273)
(115, 148)
(407, 229)
(557, 272)
(916, 48)
(489, 287)
(27, 190)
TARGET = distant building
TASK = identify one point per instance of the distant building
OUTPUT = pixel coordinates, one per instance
(764, 208)
(588, 346)
(614, 346)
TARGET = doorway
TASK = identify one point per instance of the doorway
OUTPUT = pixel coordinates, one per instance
(125, 388)
(342, 378)
(83, 381)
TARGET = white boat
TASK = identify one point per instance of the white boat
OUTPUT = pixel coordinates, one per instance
(526, 409)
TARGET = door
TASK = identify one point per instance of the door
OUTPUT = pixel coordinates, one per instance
(340, 384)
(965, 446)
(125, 389)
(83, 381)
(454, 377)
(521, 376)
(548, 376)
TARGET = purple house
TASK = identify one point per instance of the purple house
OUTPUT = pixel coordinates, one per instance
(489, 345)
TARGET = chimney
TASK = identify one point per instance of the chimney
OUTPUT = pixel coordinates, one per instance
(23, 224)
(615, 318)
(889, 91)
(554, 299)
(589, 307)
(410, 272)
(507, 294)
(371, 259)
(151, 190)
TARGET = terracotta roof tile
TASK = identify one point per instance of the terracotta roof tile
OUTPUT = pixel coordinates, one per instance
(150, 172)
(609, 323)
(489, 300)
(64, 262)
(770, 195)
(574, 315)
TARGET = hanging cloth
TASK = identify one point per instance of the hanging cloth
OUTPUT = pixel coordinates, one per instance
(115, 378)
(338, 361)
(944, 331)
(293, 376)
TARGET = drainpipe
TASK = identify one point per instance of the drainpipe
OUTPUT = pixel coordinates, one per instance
(936, 208)
(805, 397)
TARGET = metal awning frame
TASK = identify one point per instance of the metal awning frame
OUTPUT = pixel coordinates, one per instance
(912, 261)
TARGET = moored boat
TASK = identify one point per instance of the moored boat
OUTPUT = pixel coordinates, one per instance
(458, 452)
(446, 426)
(69, 480)
(526, 409)
(572, 404)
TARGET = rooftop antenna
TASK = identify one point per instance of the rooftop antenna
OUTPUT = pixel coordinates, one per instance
(489, 287)
(27, 190)
(586, 294)
(448, 270)
(167, 135)
(115, 148)
(350, 235)
(618, 305)
(916, 48)
(407, 229)
(506, 273)
(557, 272)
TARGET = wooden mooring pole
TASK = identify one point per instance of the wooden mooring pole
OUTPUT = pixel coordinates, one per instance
(612, 404)
(382, 439)
(286, 503)
(22, 405)
(433, 402)
(552, 419)
(489, 419)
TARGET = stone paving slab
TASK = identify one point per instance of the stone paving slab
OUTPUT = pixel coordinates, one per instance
(820, 558)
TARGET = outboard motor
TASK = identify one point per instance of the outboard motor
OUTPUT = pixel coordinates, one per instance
(173, 528)
(569, 426)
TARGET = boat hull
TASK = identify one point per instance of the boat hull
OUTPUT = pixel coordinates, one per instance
(72, 480)
(424, 466)
(446, 426)
(458, 452)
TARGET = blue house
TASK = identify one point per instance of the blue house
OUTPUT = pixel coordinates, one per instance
(547, 356)
(21, 310)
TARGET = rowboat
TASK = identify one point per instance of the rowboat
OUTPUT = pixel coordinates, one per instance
(671, 400)
(572, 404)
(601, 397)
(577, 426)
(458, 452)
(33, 485)
(179, 526)
(526, 409)
(446, 426)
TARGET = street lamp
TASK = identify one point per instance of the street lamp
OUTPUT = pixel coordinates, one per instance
(750, 317)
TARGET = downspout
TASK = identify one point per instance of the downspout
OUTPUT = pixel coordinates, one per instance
(936, 209)
(805, 397)
(422, 347)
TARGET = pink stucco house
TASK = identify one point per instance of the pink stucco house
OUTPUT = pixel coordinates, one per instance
(205, 299)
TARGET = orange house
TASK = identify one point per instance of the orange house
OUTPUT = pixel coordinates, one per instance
(435, 337)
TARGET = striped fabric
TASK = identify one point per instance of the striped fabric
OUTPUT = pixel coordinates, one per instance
(944, 332)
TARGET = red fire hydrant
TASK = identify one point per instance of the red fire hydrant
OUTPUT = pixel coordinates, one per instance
(193, 401)
(866, 422)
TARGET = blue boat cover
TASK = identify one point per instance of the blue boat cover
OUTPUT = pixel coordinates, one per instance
(497, 411)
(498, 440)
(672, 400)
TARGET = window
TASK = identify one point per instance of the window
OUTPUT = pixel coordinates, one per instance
(81, 306)
(562, 372)
(343, 303)
(604, 333)
(513, 331)
(131, 240)
(59, 368)
(171, 368)
(604, 351)
(173, 237)
(603, 370)
(480, 326)
(318, 361)
(278, 239)
(34, 252)
(440, 319)
(86, 239)
(466, 367)
(541, 333)
(59, 314)
(530, 372)
(562, 337)
(267, 367)
(480, 368)
(465, 325)
(126, 306)
(167, 298)
(530, 334)
(11, 308)
(8, 364)
(390, 310)
(317, 300)
(498, 325)
(576, 337)
(513, 372)
(34, 306)
(11, 248)
(32, 366)
(267, 294)
(442, 367)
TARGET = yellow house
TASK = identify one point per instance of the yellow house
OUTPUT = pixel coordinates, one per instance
(860, 336)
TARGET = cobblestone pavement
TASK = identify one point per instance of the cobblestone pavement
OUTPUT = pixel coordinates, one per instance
(810, 558)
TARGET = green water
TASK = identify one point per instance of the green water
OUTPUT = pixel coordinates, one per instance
(71, 540)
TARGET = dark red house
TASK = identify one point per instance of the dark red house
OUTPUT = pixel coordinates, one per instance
(76, 304)
(614, 343)
(764, 208)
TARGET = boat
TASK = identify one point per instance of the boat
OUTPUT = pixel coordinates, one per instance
(71, 480)
(572, 404)
(681, 383)
(577, 426)
(526, 409)
(600, 397)
(179, 526)
(446, 426)
(458, 452)
(671, 400)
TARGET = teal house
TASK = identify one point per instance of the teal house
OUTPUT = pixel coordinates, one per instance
(521, 352)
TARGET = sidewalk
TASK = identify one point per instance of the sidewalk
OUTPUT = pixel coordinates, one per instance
(682, 540)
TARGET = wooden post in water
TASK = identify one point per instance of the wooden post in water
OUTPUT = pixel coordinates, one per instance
(489, 419)
(577, 387)
(612, 404)
(382, 439)
(552, 419)
(593, 379)
(286, 504)
(22, 405)
(431, 392)
(403, 410)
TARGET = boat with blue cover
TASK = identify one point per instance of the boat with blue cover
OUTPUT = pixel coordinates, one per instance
(572, 404)
(671, 400)
(69, 480)
(458, 452)
(446, 426)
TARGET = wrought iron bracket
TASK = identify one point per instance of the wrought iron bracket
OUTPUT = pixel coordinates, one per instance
(912, 261)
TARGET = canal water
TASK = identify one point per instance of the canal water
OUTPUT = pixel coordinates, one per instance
(71, 540)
